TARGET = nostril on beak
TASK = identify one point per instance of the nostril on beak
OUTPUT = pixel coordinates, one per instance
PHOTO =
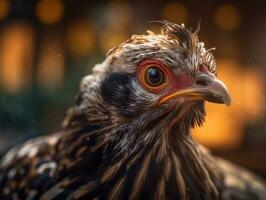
(203, 80)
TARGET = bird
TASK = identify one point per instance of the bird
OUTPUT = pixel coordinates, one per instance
(128, 134)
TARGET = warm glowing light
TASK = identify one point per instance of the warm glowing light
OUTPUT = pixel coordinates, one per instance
(16, 57)
(118, 13)
(175, 12)
(111, 37)
(224, 126)
(50, 72)
(4, 8)
(49, 11)
(220, 130)
(227, 17)
(254, 99)
(80, 38)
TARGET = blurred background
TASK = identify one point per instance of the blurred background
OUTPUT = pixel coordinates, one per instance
(47, 46)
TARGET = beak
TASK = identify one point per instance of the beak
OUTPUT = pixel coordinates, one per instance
(205, 88)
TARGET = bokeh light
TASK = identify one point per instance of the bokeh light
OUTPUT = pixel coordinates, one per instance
(175, 12)
(50, 74)
(50, 11)
(16, 57)
(111, 37)
(223, 129)
(4, 8)
(80, 38)
(118, 13)
(227, 17)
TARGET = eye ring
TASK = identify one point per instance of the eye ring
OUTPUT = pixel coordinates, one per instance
(154, 75)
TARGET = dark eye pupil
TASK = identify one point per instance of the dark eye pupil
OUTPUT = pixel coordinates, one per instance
(154, 76)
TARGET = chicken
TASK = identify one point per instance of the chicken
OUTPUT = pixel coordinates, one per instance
(128, 136)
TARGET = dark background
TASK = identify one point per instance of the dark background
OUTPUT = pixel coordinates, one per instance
(47, 46)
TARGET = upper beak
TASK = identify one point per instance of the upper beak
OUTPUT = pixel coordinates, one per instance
(205, 88)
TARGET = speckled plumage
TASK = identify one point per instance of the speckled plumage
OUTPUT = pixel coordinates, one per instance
(118, 143)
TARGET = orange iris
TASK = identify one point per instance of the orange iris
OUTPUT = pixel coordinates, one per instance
(154, 75)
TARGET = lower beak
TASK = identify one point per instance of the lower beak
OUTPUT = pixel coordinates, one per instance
(215, 91)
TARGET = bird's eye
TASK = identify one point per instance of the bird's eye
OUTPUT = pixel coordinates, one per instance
(154, 76)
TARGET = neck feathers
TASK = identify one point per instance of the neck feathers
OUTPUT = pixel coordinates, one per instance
(169, 165)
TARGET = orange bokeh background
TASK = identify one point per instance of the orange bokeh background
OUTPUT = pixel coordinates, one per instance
(224, 126)
(47, 46)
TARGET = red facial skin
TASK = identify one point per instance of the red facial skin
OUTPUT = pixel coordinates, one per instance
(181, 81)
(173, 82)
(203, 68)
